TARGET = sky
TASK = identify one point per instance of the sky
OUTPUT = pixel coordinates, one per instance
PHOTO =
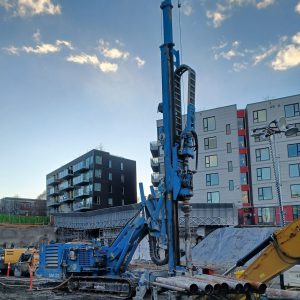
(78, 75)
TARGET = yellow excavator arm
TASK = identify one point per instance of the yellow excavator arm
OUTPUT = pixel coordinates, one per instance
(281, 253)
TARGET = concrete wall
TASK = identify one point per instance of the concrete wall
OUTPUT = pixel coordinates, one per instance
(26, 236)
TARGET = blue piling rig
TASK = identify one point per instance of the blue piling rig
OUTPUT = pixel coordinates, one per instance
(92, 265)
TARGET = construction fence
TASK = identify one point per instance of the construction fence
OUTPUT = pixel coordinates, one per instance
(26, 220)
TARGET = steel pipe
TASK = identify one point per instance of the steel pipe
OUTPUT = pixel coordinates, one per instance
(169, 287)
(202, 285)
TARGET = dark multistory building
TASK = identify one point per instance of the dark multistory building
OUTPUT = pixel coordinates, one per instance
(94, 180)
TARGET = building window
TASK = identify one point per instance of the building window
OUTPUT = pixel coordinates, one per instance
(230, 166)
(122, 166)
(209, 124)
(259, 138)
(243, 160)
(109, 164)
(263, 173)
(110, 188)
(245, 196)
(297, 125)
(296, 212)
(109, 176)
(210, 143)
(295, 190)
(123, 190)
(123, 202)
(228, 129)
(212, 179)
(211, 161)
(244, 178)
(213, 197)
(242, 142)
(98, 200)
(294, 170)
(231, 185)
(241, 123)
(110, 202)
(266, 215)
(229, 149)
(294, 150)
(122, 178)
(97, 187)
(259, 116)
(98, 173)
(99, 159)
(291, 110)
(262, 154)
(265, 193)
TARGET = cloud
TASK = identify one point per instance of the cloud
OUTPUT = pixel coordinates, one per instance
(297, 8)
(224, 11)
(265, 53)
(28, 8)
(93, 60)
(216, 17)
(264, 3)
(112, 53)
(187, 8)
(140, 62)
(37, 36)
(228, 54)
(40, 48)
(296, 38)
(238, 67)
(287, 58)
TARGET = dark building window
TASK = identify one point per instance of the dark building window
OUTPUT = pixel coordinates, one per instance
(243, 160)
(122, 178)
(229, 149)
(212, 179)
(110, 202)
(244, 178)
(231, 185)
(209, 124)
(263, 173)
(213, 197)
(228, 129)
(291, 110)
(210, 143)
(242, 142)
(230, 166)
(259, 138)
(211, 161)
(294, 150)
(259, 116)
(265, 193)
(262, 154)
(109, 176)
(99, 159)
(295, 190)
(109, 164)
(110, 190)
(241, 123)
(294, 170)
(122, 166)
(296, 212)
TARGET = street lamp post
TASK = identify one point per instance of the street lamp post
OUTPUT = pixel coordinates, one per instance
(269, 132)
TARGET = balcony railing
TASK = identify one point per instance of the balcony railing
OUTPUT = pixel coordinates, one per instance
(52, 180)
(83, 204)
(53, 191)
(154, 148)
(82, 192)
(155, 179)
(52, 202)
(154, 164)
(80, 167)
(65, 185)
(66, 173)
(64, 198)
(81, 179)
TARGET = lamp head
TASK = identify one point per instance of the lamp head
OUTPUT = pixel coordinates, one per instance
(291, 131)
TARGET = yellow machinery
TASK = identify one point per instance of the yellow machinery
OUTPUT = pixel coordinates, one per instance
(12, 255)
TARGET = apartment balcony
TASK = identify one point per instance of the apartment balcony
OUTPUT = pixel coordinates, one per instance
(80, 167)
(52, 202)
(155, 179)
(84, 204)
(154, 164)
(65, 185)
(82, 192)
(53, 191)
(65, 198)
(81, 179)
(65, 174)
(154, 148)
(52, 180)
